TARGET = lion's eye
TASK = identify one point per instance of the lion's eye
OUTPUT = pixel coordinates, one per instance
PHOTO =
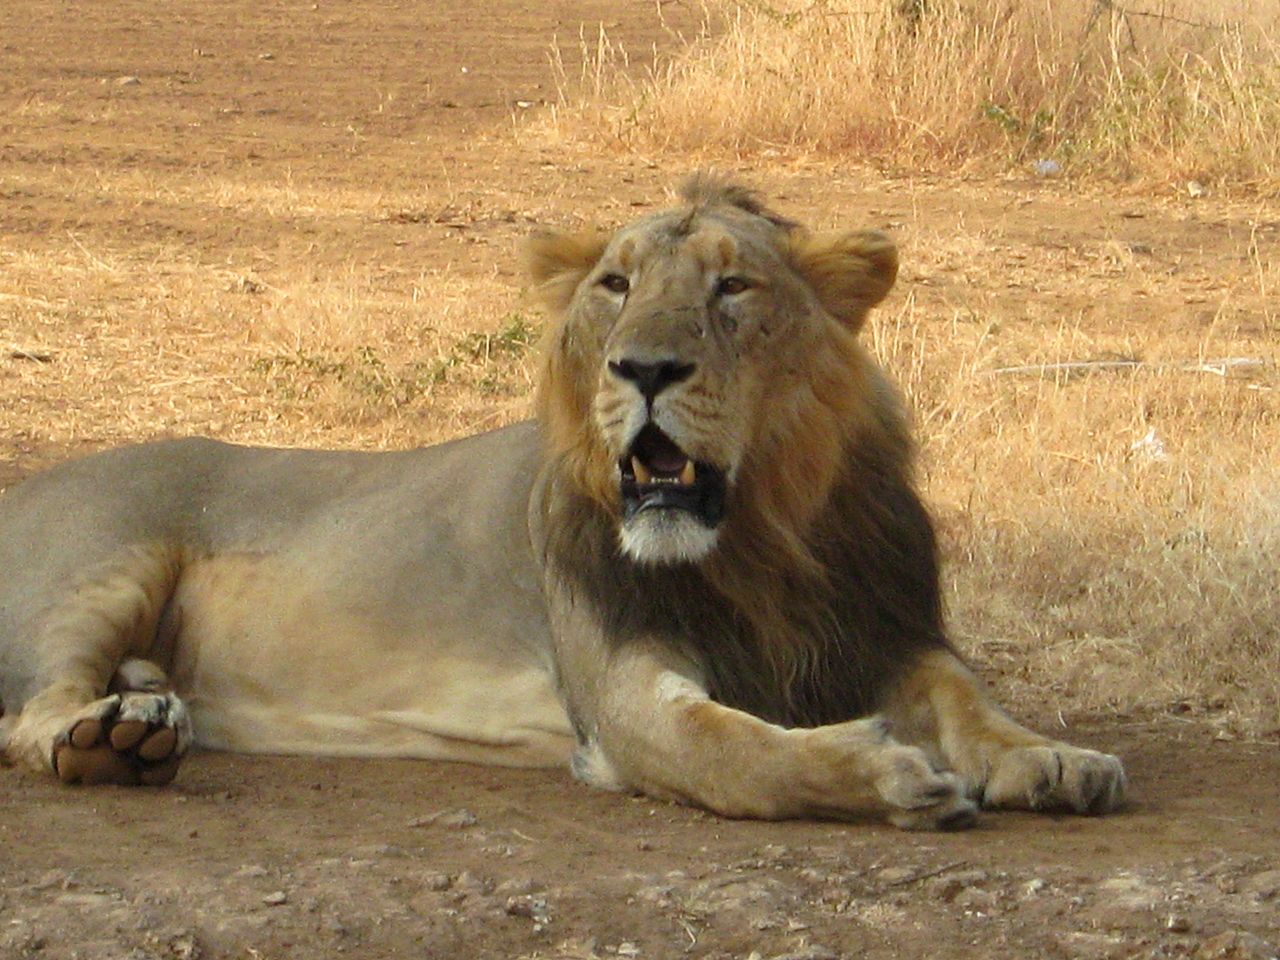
(729, 286)
(615, 283)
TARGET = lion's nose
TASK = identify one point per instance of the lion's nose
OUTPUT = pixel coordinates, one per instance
(651, 378)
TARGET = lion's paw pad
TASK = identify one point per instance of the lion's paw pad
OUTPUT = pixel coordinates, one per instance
(130, 738)
(1056, 777)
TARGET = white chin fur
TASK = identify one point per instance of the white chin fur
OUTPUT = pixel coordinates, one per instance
(666, 536)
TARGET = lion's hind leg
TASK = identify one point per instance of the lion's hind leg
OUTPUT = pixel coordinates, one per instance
(101, 713)
(942, 706)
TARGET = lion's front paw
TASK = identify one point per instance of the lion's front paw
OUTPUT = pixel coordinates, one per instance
(1056, 776)
(921, 797)
(129, 738)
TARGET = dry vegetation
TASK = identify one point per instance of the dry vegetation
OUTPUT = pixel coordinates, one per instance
(173, 345)
(1112, 526)
(1175, 91)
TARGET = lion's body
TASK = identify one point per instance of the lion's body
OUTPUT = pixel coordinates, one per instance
(316, 602)
(703, 574)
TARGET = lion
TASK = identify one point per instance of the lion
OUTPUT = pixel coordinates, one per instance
(701, 573)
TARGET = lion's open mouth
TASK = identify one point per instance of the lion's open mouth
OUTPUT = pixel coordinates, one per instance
(658, 475)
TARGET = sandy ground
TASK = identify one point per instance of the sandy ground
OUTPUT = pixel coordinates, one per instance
(143, 146)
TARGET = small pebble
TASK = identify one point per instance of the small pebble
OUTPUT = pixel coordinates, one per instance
(1263, 886)
(437, 882)
(458, 819)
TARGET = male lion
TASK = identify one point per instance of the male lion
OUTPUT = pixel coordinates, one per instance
(702, 573)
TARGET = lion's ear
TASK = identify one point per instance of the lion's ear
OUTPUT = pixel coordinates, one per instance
(557, 262)
(850, 272)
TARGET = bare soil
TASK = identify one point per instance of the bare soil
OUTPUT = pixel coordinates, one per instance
(397, 134)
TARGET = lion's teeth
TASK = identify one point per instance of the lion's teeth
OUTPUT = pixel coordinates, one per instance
(643, 475)
(688, 475)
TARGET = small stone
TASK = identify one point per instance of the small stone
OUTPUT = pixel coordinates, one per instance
(1263, 886)
(51, 879)
(1196, 189)
(252, 871)
(266, 55)
(183, 946)
(976, 900)
(1047, 168)
(277, 898)
(127, 81)
(468, 884)
(1033, 887)
(458, 819)
(1177, 923)
(437, 882)
(945, 889)
(534, 908)
(892, 875)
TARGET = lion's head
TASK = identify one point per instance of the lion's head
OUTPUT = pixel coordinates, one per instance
(702, 373)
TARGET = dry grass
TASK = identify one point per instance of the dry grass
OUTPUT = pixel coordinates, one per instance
(357, 356)
(1112, 532)
(1172, 92)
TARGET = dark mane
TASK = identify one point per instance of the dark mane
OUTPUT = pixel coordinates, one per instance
(853, 630)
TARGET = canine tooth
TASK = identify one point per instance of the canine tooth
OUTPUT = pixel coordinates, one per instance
(688, 475)
(643, 474)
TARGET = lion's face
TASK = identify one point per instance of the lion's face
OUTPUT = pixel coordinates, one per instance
(692, 348)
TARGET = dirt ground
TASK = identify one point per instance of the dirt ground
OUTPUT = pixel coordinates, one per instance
(243, 139)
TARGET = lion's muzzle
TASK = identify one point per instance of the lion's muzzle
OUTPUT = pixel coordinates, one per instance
(657, 475)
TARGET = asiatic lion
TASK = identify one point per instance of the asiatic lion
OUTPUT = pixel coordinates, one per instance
(702, 573)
